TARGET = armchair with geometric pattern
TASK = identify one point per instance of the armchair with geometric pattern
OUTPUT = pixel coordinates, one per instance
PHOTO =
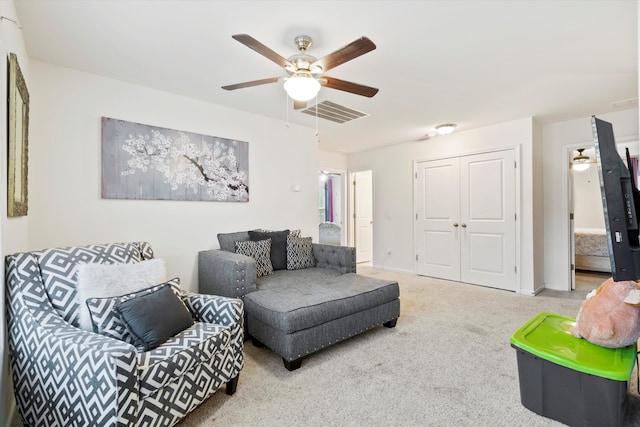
(67, 376)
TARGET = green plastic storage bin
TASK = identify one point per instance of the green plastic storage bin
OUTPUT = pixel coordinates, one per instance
(569, 379)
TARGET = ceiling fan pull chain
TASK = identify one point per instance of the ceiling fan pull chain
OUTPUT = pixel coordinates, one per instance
(286, 109)
(318, 139)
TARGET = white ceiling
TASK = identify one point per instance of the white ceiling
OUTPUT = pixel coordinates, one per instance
(473, 62)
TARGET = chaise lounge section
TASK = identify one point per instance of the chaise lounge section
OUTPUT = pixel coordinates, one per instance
(298, 312)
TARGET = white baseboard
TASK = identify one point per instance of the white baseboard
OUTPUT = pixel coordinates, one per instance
(394, 270)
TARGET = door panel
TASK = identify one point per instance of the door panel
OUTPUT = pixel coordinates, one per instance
(442, 244)
(488, 210)
(484, 180)
(437, 205)
(482, 260)
(363, 182)
(465, 219)
(438, 242)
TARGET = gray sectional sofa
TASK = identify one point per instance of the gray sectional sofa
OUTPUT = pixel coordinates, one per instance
(298, 312)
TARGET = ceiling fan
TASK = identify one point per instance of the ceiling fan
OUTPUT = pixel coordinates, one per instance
(304, 71)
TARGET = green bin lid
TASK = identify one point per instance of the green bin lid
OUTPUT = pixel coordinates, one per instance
(547, 336)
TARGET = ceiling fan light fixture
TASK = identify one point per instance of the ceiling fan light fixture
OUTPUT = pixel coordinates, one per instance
(446, 128)
(302, 87)
(581, 162)
(304, 70)
(579, 167)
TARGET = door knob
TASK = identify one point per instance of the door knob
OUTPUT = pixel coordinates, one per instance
(464, 225)
(455, 224)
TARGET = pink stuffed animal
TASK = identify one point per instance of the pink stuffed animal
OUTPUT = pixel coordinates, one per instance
(610, 316)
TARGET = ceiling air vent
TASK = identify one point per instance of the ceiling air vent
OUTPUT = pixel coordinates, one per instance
(336, 113)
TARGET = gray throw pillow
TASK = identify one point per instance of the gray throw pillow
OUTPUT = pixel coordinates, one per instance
(154, 317)
(278, 246)
(227, 241)
(106, 321)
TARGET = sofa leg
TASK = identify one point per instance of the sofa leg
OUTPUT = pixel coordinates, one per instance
(232, 385)
(391, 323)
(257, 342)
(293, 364)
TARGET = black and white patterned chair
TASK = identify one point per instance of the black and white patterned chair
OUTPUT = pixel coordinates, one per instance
(66, 376)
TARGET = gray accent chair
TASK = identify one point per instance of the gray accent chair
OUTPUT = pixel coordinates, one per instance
(298, 312)
(66, 376)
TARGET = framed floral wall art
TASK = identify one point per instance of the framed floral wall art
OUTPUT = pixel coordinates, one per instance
(148, 162)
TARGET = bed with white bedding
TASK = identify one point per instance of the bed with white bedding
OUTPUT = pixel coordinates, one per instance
(591, 249)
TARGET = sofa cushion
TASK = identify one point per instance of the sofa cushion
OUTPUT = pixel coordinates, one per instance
(278, 246)
(154, 317)
(299, 253)
(308, 304)
(259, 251)
(106, 321)
(287, 278)
(179, 354)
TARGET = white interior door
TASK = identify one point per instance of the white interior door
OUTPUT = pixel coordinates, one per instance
(572, 241)
(487, 215)
(465, 219)
(438, 219)
(363, 215)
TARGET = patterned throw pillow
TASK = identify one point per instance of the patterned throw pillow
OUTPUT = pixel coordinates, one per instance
(106, 321)
(299, 253)
(260, 251)
(295, 233)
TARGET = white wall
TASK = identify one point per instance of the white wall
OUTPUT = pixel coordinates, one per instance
(332, 161)
(65, 206)
(393, 191)
(557, 138)
(13, 231)
(587, 199)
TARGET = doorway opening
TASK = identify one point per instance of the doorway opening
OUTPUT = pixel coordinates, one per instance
(331, 207)
(361, 218)
(589, 252)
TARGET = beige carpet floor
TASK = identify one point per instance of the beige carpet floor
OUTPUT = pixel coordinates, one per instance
(447, 363)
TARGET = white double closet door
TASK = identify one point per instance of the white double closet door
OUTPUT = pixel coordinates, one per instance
(466, 219)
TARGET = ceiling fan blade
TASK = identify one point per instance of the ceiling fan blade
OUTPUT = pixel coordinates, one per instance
(251, 83)
(344, 54)
(263, 50)
(346, 86)
(298, 105)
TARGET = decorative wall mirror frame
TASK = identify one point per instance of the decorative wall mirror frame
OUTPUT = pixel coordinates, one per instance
(18, 133)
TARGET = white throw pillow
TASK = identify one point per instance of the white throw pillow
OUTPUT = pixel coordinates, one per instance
(108, 280)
